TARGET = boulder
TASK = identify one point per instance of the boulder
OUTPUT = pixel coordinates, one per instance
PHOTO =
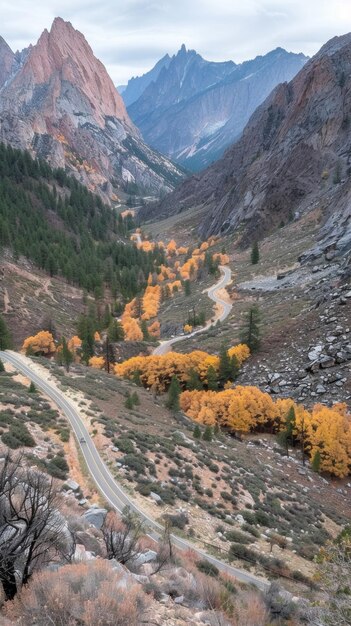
(155, 497)
(95, 516)
(71, 484)
(81, 554)
(326, 361)
(145, 557)
(315, 352)
(320, 389)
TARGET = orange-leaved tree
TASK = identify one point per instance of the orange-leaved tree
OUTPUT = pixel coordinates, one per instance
(97, 361)
(41, 343)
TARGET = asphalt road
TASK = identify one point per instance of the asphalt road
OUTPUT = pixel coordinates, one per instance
(166, 346)
(105, 482)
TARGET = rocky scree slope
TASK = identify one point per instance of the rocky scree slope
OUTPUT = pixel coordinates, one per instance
(294, 155)
(58, 101)
(195, 108)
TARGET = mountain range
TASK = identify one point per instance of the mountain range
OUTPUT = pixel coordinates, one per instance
(58, 101)
(294, 156)
(191, 109)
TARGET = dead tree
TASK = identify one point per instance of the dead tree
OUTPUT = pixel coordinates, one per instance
(122, 536)
(33, 533)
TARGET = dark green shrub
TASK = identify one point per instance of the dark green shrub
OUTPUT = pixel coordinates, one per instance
(207, 568)
(251, 529)
(58, 467)
(238, 537)
(239, 551)
(125, 445)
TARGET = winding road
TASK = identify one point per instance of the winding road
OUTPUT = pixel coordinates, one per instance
(105, 482)
(212, 292)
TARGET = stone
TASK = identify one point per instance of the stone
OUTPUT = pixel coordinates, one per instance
(95, 516)
(81, 554)
(72, 484)
(143, 580)
(313, 367)
(145, 557)
(155, 497)
(320, 389)
(179, 600)
(164, 598)
(315, 352)
(326, 361)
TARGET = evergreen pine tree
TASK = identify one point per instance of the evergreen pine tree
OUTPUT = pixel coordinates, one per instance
(136, 378)
(136, 400)
(194, 383)
(144, 330)
(129, 402)
(197, 432)
(106, 320)
(115, 331)
(255, 253)
(286, 435)
(173, 395)
(2, 367)
(250, 333)
(66, 355)
(225, 370)
(5, 337)
(316, 461)
(187, 287)
(212, 379)
(207, 436)
(32, 388)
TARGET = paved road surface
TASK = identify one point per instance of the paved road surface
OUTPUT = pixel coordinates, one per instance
(166, 346)
(105, 482)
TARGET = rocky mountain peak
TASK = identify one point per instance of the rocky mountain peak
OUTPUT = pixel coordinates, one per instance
(63, 54)
(196, 108)
(293, 157)
(334, 45)
(7, 58)
(58, 101)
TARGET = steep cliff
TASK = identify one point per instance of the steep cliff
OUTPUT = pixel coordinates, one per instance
(61, 104)
(294, 155)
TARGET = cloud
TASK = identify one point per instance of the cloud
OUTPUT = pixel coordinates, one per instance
(129, 36)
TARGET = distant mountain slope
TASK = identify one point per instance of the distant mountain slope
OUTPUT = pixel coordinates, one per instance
(49, 218)
(136, 85)
(294, 155)
(60, 103)
(196, 108)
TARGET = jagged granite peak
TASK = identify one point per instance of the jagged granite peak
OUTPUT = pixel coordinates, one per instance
(293, 157)
(64, 54)
(196, 108)
(61, 104)
(136, 85)
(7, 60)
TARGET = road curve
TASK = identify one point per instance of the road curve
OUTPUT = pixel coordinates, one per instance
(166, 346)
(104, 481)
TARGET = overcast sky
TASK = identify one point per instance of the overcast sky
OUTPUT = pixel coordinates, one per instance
(129, 36)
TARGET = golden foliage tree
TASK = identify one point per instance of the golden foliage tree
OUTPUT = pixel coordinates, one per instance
(151, 301)
(41, 343)
(157, 370)
(97, 361)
